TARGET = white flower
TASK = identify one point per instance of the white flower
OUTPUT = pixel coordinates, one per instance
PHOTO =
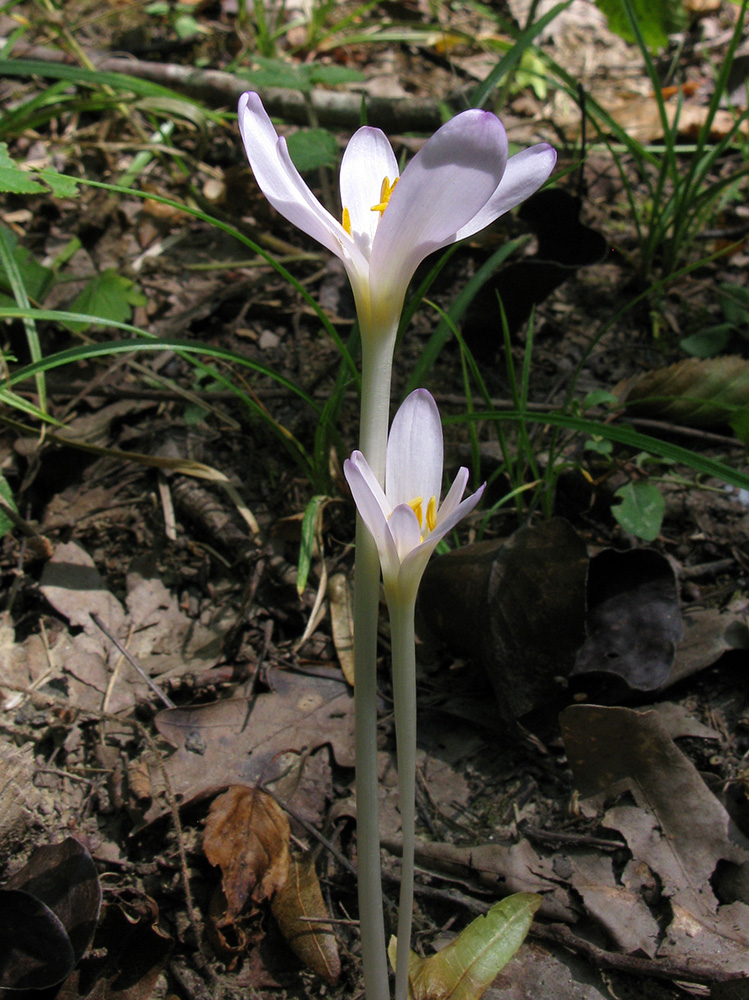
(407, 520)
(459, 182)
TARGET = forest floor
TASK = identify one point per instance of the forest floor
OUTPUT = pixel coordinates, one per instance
(583, 708)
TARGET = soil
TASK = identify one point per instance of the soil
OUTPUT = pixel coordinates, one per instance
(186, 551)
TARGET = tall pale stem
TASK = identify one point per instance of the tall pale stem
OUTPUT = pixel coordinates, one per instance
(402, 642)
(377, 361)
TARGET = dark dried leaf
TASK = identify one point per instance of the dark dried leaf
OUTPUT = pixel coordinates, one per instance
(247, 836)
(300, 897)
(56, 894)
(36, 950)
(516, 606)
(130, 952)
(698, 392)
(633, 623)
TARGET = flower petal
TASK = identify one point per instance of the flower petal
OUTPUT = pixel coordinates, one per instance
(441, 190)
(446, 524)
(525, 173)
(405, 530)
(413, 466)
(281, 182)
(413, 565)
(369, 502)
(368, 159)
(454, 495)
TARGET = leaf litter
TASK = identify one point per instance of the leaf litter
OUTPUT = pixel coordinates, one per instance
(642, 870)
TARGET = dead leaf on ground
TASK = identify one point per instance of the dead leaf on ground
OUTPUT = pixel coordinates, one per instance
(164, 641)
(633, 624)
(510, 603)
(708, 633)
(696, 392)
(502, 868)
(128, 954)
(236, 741)
(298, 906)
(247, 837)
(678, 834)
(48, 914)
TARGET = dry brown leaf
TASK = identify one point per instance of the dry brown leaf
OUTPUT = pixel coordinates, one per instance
(247, 836)
(698, 392)
(297, 906)
(342, 623)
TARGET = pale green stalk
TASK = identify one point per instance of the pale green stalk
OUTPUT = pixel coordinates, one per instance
(377, 363)
(402, 641)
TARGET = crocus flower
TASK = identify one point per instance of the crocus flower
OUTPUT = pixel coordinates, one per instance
(459, 182)
(406, 519)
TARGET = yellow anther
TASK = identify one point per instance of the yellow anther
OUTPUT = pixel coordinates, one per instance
(346, 221)
(416, 507)
(385, 191)
(432, 513)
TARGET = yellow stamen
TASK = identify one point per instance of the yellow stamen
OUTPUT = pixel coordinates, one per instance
(346, 221)
(385, 191)
(416, 507)
(432, 513)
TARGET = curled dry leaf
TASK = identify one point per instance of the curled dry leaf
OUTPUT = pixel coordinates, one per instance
(698, 392)
(48, 915)
(247, 836)
(298, 906)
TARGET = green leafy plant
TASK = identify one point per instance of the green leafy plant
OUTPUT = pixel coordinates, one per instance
(734, 304)
(684, 186)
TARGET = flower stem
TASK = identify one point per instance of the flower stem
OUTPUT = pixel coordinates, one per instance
(404, 698)
(377, 361)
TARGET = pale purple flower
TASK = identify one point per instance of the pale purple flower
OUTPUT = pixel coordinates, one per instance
(459, 182)
(406, 519)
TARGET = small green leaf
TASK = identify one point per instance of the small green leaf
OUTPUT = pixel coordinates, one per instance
(740, 425)
(332, 75)
(109, 296)
(276, 73)
(712, 340)
(468, 965)
(599, 445)
(309, 530)
(641, 509)
(7, 494)
(36, 278)
(657, 19)
(13, 180)
(311, 148)
(599, 397)
(734, 303)
(185, 26)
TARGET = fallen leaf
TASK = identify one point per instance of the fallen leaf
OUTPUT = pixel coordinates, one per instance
(297, 905)
(342, 623)
(633, 624)
(625, 762)
(516, 606)
(468, 965)
(696, 392)
(236, 741)
(128, 954)
(247, 836)
(48, 914)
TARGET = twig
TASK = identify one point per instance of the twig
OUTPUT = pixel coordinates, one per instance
(132, 661)
(219, 90)
(656, 968)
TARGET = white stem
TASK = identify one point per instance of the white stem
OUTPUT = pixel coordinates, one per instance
(404, 698)
(377, 360)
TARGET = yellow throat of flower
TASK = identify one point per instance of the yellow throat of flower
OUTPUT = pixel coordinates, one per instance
(417, 506)
(386, 190)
